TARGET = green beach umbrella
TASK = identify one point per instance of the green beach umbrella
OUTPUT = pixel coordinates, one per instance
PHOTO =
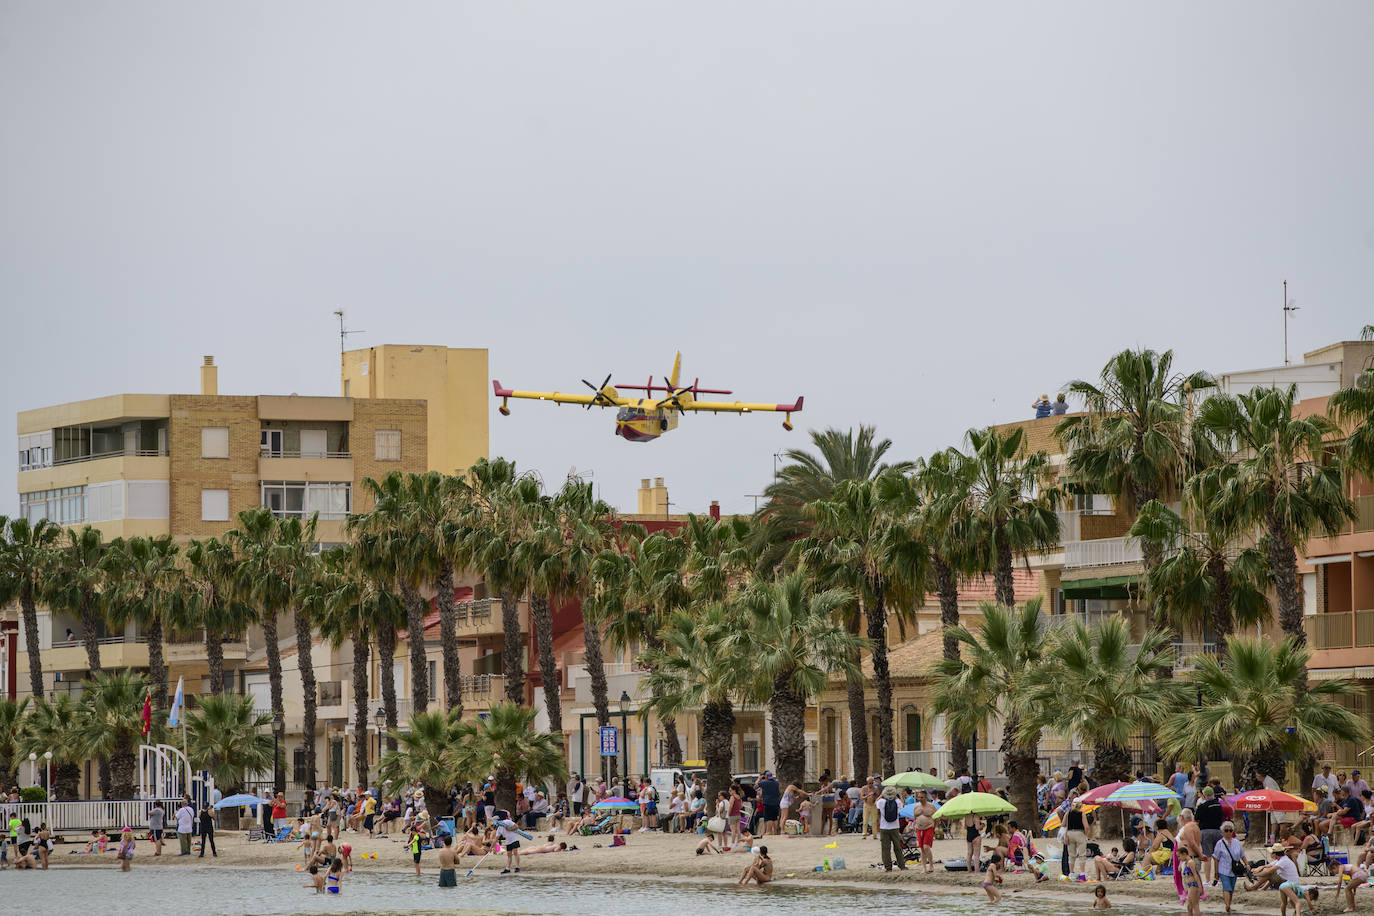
(915, 780)
(975, 803)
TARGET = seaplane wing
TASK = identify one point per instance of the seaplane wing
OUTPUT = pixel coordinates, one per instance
(740, 406)
(600, 399)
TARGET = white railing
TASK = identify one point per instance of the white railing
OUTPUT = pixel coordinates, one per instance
(104, 641)
(1102, 552)
(85, 816)
(297, 453)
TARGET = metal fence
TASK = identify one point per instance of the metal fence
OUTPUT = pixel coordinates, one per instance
(85, 816)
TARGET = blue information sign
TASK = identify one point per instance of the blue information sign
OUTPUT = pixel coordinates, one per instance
(610, 741)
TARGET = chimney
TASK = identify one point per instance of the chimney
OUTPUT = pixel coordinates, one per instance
(715, 509)
(660, 497)
(209, 377)
(646, 497)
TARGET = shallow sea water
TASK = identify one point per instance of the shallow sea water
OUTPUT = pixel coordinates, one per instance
(244, 891)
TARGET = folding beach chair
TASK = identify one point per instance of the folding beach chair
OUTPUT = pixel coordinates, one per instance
(607, 825)
(280, 836)
(255, 833)
(1319, 861)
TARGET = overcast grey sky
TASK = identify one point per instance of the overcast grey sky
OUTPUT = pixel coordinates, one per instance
(918, 215)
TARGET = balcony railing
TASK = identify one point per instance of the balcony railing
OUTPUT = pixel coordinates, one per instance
(1340, 629)
(1102, 552)
(297, 453)
(478, 611)
(1186, 654)
(117, 453)
(104, 641)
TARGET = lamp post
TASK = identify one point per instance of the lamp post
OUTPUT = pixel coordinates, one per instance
(47, 774)
(380, 717)
(625, 739)
(33, 768)
(277, 785)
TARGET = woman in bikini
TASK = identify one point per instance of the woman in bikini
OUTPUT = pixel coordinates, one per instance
(760, 870)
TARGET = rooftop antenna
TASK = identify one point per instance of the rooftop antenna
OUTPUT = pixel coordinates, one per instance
(343, 332)
(1289, 305)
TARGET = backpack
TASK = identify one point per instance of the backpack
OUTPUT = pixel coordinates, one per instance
(891, 809)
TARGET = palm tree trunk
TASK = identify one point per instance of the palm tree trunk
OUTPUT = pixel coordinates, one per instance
(672, 744)
(67, 782)
(1151, 553)
(504, 785)
(1283, 562)
(157, 668)
(415, 636)
(947, 587)
(1021, 765)
(271, 644)
(448, 638)
(596, 668)
(1220, 617)
(787, 710)
(122, 769)
(541, 611)
(90, 635)
(309, 691)
(510, 652)
(717, 744)
(858, 707)
(102, 777)
(1111, 763)
(386, 671)
(30, 613)
(360, 711)
(214, 654)
(877, 635)
(1004, 589)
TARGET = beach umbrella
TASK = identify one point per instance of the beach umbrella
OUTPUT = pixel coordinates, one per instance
(975, 803)
(1140, 791)
(1056, 817)
(915, 780)
(1269, 800)
(1099, 795)
(616, 804)
(908, 810)
(238, 801)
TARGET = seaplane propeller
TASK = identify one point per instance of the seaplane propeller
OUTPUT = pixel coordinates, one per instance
(601, 398)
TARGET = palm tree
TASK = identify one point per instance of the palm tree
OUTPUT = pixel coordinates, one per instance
(144, 581)
(798, 641)
(506, 745)
(1285, 481)
(784, 519)
(944, 482)
(225, 737)
(54, 726)
(25, 554)
(702, 665)
(987, 681)
(492, 519)
(12, 724)
(113, 725)
(76, 585)
(1009, 508)
(373, 558)
(427, 508)
(253, 542)
(1208, 579)
(1353, 409)
(866, 530)
(213, 600)
(425, 755)
(1256, 702)
(410, 552)
(1131, 440)
(648, 569)
(1093, 683)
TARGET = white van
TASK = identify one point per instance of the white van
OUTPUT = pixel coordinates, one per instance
(664, 777)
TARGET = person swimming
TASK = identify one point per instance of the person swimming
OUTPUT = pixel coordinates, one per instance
(316, 879)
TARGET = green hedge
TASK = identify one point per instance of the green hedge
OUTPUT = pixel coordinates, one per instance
(33, 794)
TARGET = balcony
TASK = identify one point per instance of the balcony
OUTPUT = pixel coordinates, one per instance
(115, 652)
(330, 704)
(482, 617)
(1102, 552)
(117, 453)
(620, 678)
(188, 649)
(481, 691)
(1340, 630)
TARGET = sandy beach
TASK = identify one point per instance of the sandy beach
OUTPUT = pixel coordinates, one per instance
(672, 856)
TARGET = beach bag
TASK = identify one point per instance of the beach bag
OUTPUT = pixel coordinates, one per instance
(716, 824)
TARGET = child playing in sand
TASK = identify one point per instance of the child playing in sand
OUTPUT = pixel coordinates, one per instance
(1351, 877)
(1100, 901)
(1292, 891)
(316, 879)
(708, 844)
(99, 840)
(125, 854)
(993, 877)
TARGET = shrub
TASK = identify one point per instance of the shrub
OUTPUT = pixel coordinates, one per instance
(32, 794)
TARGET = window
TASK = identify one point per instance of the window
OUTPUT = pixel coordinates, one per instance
(302, 499)
(271, 441)
(214, 505)
(214, 442)
(388, 443)
(298, 766)
(35, 451)
(433, 678)
(65, 506)
(913, 731)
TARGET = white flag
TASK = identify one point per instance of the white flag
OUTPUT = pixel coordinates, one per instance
(175, 716)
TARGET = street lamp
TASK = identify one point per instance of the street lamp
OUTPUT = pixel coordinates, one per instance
(277, 722)
(33, 768)
(380, 716)
(47, 773)
(625, 738)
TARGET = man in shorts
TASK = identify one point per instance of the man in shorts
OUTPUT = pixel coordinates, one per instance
(923, 820)
(510, 841)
